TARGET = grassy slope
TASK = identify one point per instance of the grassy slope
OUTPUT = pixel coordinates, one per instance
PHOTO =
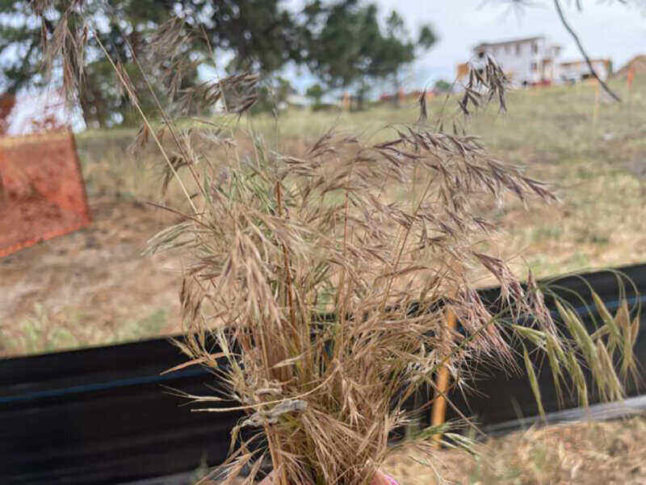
(578, 454)
(99, 279)
(596, 165)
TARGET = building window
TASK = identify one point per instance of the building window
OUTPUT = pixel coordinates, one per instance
(535, 48)
(534, 67)
(507, 48)
(517, 49)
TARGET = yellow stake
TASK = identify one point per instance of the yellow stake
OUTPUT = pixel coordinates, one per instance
(438, 415)
(595, 114)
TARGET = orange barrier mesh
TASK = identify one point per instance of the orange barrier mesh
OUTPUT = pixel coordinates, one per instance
(42, 194)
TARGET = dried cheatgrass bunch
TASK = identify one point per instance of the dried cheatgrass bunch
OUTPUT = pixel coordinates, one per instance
(325, 277)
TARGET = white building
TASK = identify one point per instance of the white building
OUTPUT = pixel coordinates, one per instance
(528, 61)
(573, 71)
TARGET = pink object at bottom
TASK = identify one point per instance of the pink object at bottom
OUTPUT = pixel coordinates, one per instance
(391, 480)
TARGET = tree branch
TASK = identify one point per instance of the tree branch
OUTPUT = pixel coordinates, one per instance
(567, 26)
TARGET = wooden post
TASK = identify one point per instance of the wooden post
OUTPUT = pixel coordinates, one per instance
(597, 95)
(630, 76)
(401, 97)
(438, 415)
(346, 101)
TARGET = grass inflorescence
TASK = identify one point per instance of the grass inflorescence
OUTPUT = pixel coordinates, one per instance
(276, 238)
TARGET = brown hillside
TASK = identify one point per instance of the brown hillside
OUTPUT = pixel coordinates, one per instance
(637, 62)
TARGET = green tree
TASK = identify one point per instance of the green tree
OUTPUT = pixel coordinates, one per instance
(261, 34)
(273, 94)
(315, 93)
(339, 49)
(397, 50)
(341, 40)
(442, 86)
(348, 48)
(121, 31)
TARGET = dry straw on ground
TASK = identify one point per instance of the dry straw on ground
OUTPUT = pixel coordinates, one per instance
(584, 453)
(278, 239)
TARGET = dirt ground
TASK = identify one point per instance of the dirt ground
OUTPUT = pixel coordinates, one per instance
(583, 453)
(91, 287)
(591, 453)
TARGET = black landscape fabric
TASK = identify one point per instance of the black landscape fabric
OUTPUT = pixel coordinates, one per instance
(108, 415)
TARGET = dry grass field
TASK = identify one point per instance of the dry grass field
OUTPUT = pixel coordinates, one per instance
(94, 287)
(582, 454)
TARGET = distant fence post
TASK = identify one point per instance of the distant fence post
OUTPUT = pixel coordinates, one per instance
(630, 76)
(597, 95)
(346, 101)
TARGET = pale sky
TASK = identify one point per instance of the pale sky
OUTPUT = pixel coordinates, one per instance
(606, 28)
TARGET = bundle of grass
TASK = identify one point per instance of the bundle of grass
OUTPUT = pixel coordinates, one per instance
(374, 237)
(325, 275)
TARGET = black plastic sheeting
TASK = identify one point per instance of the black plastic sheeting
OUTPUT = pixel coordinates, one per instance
(105, 415)
(500, 396)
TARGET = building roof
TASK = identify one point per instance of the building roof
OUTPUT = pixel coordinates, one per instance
(508, 42)
(583, 61)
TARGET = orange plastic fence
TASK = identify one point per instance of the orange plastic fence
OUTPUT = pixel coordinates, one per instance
(42, 194)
